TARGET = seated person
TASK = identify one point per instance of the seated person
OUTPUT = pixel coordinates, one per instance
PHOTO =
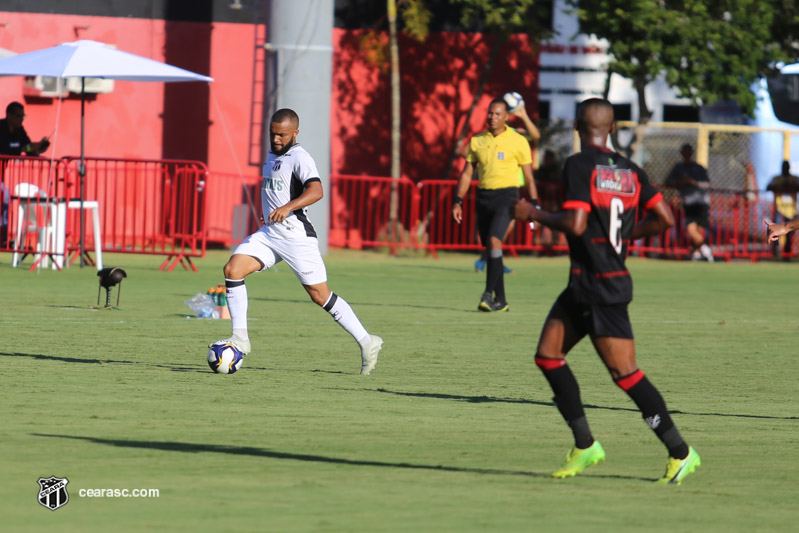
(14, 139)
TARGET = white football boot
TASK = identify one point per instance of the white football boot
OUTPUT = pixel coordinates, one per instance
(369, 354)
(242, 344)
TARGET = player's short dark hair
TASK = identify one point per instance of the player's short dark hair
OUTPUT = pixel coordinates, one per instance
(686, 146)
(591, 102)
(499, 101)
(14, 106)
(282, 115)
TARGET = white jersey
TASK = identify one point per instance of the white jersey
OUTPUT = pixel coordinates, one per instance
(284, 179)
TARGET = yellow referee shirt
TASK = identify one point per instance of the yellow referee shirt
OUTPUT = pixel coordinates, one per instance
(499, 158)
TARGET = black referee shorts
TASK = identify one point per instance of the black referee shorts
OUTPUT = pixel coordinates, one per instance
(596, 320)
(493, 212)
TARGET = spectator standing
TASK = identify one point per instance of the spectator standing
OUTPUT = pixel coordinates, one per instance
(784, 186)
(691, 181)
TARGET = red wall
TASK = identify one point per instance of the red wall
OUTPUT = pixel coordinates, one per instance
(439, 80)
(129, 122)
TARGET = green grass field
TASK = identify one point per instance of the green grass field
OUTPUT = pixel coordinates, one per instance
(454, 431)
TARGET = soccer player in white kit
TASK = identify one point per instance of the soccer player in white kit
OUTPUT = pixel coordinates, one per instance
(290, 184)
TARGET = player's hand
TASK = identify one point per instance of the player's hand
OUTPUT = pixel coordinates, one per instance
(279, 215)
(773, 230)
(457, 213)
(524, 210)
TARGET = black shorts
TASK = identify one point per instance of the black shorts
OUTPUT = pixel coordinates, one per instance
(596, 320)
(697, 213)
(493, 212)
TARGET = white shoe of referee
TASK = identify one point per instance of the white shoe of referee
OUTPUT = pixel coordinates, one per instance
(369, 354)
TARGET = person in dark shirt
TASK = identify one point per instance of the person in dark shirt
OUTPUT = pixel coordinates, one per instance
(784, 186)
(14, 139)
(603, 193)
(691, 181)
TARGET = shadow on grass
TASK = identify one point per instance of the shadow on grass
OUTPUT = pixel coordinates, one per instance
(199, 368)
(188, 447)
(488, 399)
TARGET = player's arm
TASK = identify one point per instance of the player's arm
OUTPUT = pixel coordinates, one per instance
(657, 220)
(571, 221)
(774, 231)
(312, 194)
(464, 182)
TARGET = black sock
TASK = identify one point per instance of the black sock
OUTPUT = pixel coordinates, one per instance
(653, 409)
(499, 290)
(493, 272)
(567, 398)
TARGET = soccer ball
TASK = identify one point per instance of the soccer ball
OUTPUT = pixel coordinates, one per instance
(513, 99)
(224, 358)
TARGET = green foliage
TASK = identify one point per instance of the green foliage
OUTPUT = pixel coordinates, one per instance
(416, 17)
(505, 17)
(708, 51)
(454, 431)
(784, 44)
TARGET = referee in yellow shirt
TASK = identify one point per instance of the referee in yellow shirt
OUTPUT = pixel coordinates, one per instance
(496, 155)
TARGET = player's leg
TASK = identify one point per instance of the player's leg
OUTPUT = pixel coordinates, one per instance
(303, 257)
(618, 354)
(252, 255)
(343, 314)
(237, 268)
(562, 330)
(696, 229)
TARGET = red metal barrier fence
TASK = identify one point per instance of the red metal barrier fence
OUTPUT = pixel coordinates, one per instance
(360, 213)
(141, 206)
(359, 217)
(230, 215)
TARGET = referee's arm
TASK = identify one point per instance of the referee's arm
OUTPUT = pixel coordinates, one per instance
(463, 187)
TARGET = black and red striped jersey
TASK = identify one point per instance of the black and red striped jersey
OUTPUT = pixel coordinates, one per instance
(612, 190)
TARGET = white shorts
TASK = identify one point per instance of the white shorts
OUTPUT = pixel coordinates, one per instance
(300, 253)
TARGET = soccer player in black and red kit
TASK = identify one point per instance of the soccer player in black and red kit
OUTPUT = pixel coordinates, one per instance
(604, 193)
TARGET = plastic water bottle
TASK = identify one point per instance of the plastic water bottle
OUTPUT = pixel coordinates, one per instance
(203, 305)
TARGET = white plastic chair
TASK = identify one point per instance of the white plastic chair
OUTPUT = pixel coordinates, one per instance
(30, 197)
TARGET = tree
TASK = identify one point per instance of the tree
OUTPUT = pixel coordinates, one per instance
(708, 51)
(501, 18)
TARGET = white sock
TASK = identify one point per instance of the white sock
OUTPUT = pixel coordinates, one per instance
(236, 292)
(342, 313)
(705, 250)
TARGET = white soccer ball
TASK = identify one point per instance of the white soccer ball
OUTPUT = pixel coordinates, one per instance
(224, 358)
(513, 99)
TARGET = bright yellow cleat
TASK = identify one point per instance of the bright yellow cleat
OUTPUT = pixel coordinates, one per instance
(578, 460)
(677, 469)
